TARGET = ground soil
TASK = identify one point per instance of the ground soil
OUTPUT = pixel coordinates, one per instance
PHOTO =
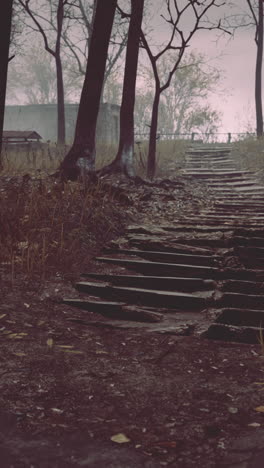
(75, 394)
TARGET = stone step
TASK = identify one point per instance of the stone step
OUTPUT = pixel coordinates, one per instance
(257, 189)
(153, 298)
(162, 269)
(213, 226)
(240, 205)
(165, 245)
(165, 283)
(167, 257)
(235, 184)
(242, 301)
(188, 271)
(116, 310)
(241, 317)
(219, 331)
(218, 174)
(247, 287)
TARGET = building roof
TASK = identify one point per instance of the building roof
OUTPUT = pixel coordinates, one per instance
(25, 134)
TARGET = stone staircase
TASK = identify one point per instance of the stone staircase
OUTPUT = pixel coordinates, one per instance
(202, 275)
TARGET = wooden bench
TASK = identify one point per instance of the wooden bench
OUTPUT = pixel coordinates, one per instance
(17, 139)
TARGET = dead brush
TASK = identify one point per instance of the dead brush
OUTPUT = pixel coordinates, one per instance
(170, 157)
(261, 339)
(49, 227)
(248, 153)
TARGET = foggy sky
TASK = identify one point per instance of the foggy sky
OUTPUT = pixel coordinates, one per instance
(235, 57)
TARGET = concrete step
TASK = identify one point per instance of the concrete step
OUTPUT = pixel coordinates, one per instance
(165, 283)
(162, 269)
(219, 331)
(156, 298)
(167, 257)
(241, 317)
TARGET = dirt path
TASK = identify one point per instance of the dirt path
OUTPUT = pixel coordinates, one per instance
(127, 372)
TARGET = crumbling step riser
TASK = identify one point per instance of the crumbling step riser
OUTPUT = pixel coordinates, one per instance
(245, 287)
(151, 243)
(167, 257)
(236, 185)
(241, 317)
(234, 196)
(163, 269)
(243, 211)
(207, 154)
(242, 190)
(219, 176)
(165, 299)
(242, 301)
(248, 241)
(225, 217)
(188, 271)
(223, 332)
(209, 227)
(165, 283)
(250, 207)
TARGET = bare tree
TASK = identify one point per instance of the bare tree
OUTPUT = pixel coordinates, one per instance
(125, 156)
(77, 38)
(252, 17)
(5, 35)
(32, 78)
(184, 106)
(258, 20)
(82, 153)
(39, 22)
(178, 42)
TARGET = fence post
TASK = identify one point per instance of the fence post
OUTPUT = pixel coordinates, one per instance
(193, 136)
(229, 137)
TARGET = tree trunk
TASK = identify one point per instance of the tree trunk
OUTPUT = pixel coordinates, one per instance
(60, 104)
(59, 72)
(258, 77)
(124, 161)
(151, 169)
(82, 153)
(5, 33)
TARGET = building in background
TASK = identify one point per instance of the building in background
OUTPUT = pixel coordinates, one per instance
(42, 118)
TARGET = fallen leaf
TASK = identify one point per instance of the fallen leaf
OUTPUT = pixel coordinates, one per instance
(259, 409)
(50, 342)
(73, 351)
(2, 316)
(254, 425)
(65, 346)
(20, 354)
(120, 438)
(232, 410)
(57, 410)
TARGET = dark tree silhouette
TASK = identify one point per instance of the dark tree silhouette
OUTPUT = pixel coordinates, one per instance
(124, 161)
(82, 153)
(55, 52)
(258, 20)
(5, 34)
(178, 42)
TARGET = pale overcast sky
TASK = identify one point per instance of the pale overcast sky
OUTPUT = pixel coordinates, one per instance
(235, 57)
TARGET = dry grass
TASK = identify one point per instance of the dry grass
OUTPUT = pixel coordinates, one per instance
(249, 154)
(47, 158)
(49, 227)
(170, 157)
